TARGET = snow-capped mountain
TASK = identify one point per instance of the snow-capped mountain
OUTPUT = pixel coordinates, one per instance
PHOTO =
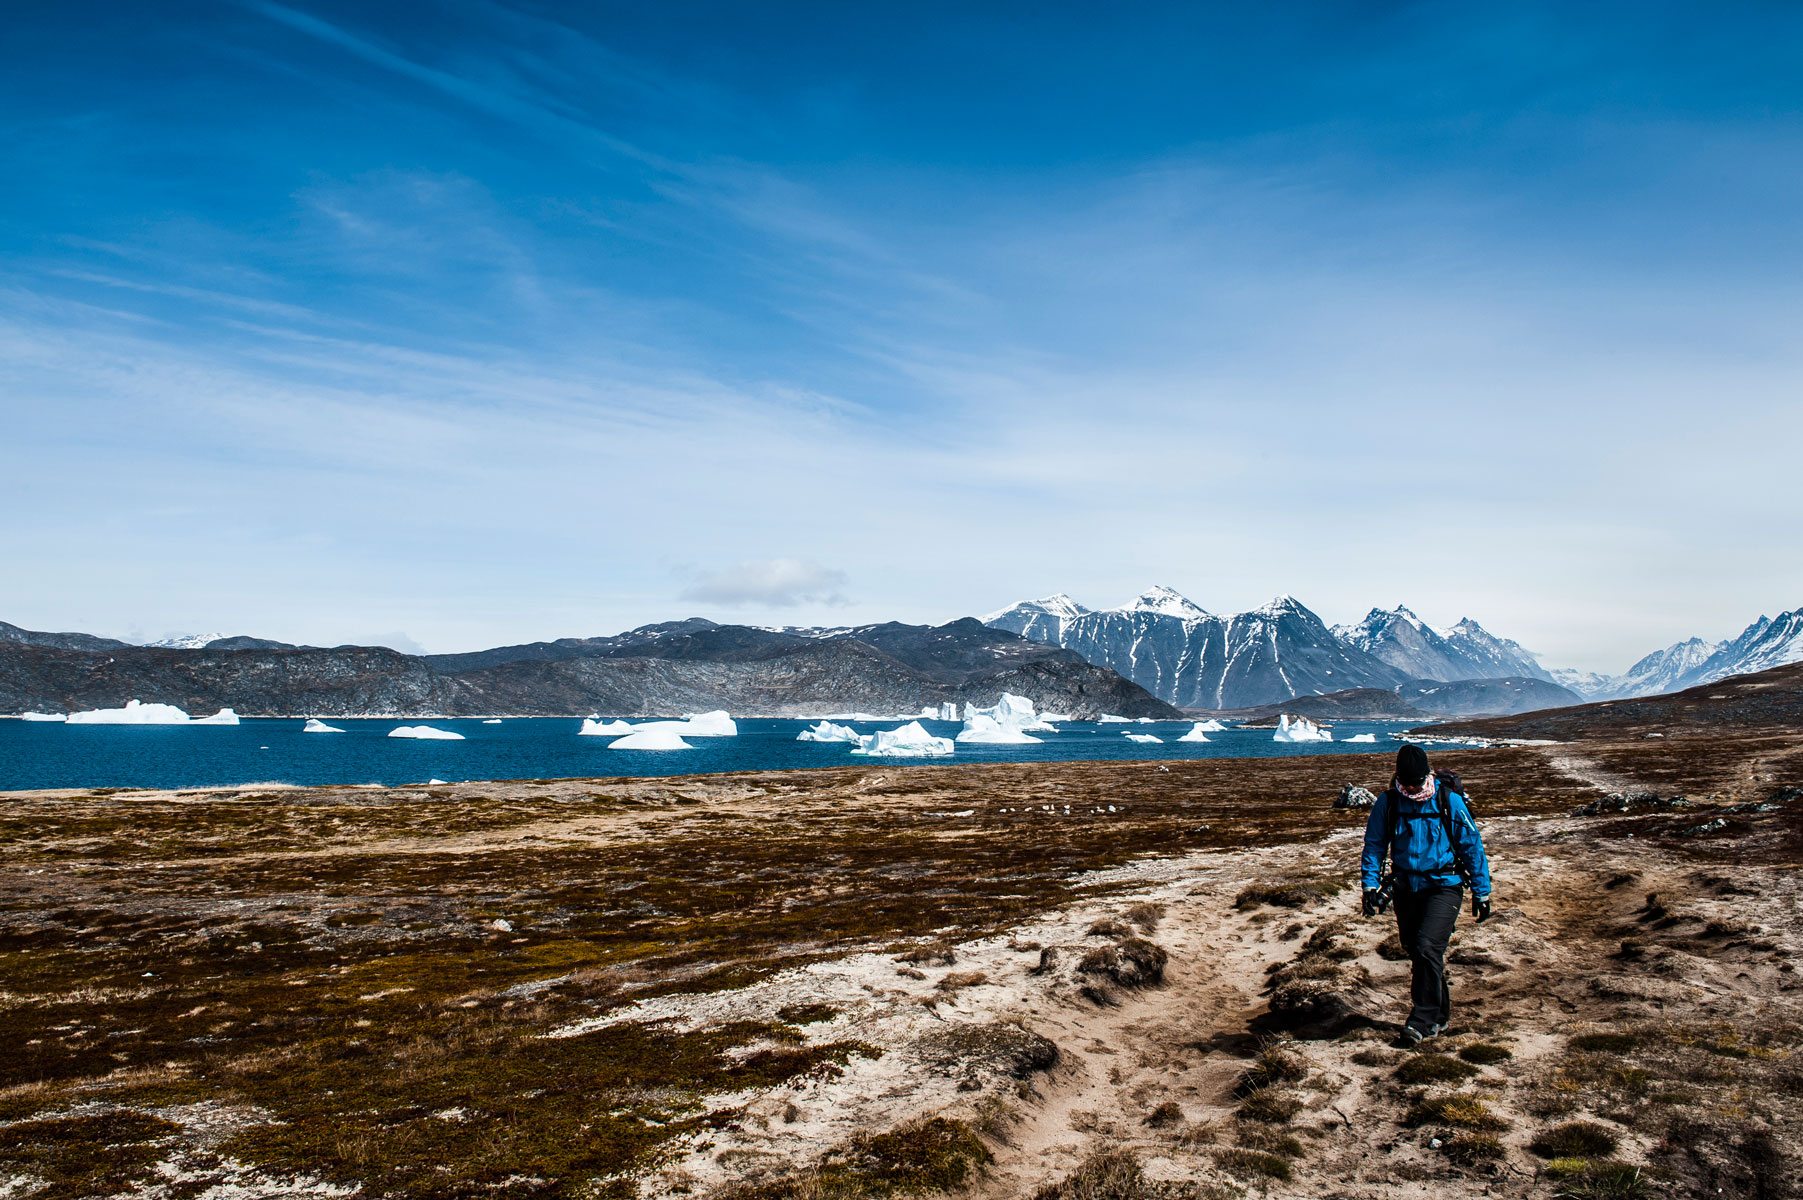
(185, 641)
(1766, 643)
(1664, 670)
(1039, 620)
(1465, 651)
(1589, 685)
(1184, 654)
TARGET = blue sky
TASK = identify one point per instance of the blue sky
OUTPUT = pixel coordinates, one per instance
(478, 322)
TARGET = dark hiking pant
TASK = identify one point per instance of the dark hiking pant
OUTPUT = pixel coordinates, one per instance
(1424, 922)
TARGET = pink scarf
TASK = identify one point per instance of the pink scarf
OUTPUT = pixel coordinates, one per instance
(1419, 795)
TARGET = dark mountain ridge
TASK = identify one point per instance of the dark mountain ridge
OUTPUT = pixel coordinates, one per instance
(675, 667)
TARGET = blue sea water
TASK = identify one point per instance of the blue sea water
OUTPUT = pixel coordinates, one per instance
(274, 750)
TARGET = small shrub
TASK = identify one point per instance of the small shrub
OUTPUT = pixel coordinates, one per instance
(1109, 928)
(1459, 1111)
(806, 1014)
(1146, 915)
(1104, 1175)
(1277, 1062)
(1254, 1164)
(1295, 892)
(1604, 1181)
(1134, 963)
(1575, 1139)
(1271, 1141)
(1486, 1054)
(1606, 1043)
(1270, 1107)
(938, 954)
(1168, 1113)
(1434, 1068)
(932, 1155)
(1469, 1149)
(958, 980)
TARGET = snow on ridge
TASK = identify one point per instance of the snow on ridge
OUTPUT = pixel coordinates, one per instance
(1163, 601)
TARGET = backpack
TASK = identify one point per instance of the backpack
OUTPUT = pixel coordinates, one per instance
(1445, 782)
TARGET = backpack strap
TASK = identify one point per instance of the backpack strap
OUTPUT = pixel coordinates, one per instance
(1443, 797)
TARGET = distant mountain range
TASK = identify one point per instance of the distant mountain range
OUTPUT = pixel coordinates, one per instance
(681, 666)
(1182, 653)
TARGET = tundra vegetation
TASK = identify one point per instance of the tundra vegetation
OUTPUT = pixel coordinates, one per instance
(602, 987)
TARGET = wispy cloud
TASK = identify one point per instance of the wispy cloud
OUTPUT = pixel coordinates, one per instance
(771, 583)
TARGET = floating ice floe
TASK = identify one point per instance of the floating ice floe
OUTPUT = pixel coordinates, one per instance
(1210, 726)
(947, 711)
(910, 741)
(1111, 719)
(431, 782)
(826, 731)
(986, 730)
(135, 712)
(1197, 733)
(1362, 737)
(224, 716)
(593, 728)
(425, 732)
(652, 739)
(1142, 737)
(492, 721)
(38, 716)
(1299, 729)
(315, 725)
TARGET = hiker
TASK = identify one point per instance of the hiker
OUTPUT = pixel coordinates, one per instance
(1424, 824)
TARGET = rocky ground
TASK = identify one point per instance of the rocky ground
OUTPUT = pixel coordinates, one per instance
(1070, 981)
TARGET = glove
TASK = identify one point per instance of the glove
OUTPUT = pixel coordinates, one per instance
(1370, 904)
(1480, 908)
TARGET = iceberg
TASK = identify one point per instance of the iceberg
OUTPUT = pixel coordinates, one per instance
(1299, 729)
(134, 713)
(38, 716)
(826, 731)
(709, 724)
(593, 728)
(492, 721)
(1111, 719)
(1010, 712)
(224, 716)
(652, 739)
(425, 732)
(1210, 726)
(315, 725)
(1362, 737)
(985, 729)
(1197, 733)
(935, 712)
(1142, 737)
(910, 741)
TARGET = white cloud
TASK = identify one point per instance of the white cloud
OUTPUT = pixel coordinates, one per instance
(771, 583)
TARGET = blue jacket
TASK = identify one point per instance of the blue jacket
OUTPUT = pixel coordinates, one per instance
(1421, 855)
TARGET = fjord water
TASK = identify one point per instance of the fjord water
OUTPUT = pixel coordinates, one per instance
(274, 750)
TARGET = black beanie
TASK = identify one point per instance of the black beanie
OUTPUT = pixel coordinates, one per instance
(1411, 766)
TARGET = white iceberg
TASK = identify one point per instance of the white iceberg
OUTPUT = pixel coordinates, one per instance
(1362, 737)
(1142, 737)
(1111, 719)
(134, 713)
(315, 725)
(709, 724)
(910, 741)
(430, 782)
(38, 716)
(224, 716)
(425, 732)
(985, 729)
(1197, 733)
(1011, 712)
(1210, 726)
(492, 721)
(593, 728)
(826, 731)
(1299, 729)
(652, 739)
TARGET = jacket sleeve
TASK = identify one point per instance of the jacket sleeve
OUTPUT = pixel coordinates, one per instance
(1470, 845)
(1377, 831)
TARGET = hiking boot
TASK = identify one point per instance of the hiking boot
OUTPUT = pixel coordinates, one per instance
(1411, 1037)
